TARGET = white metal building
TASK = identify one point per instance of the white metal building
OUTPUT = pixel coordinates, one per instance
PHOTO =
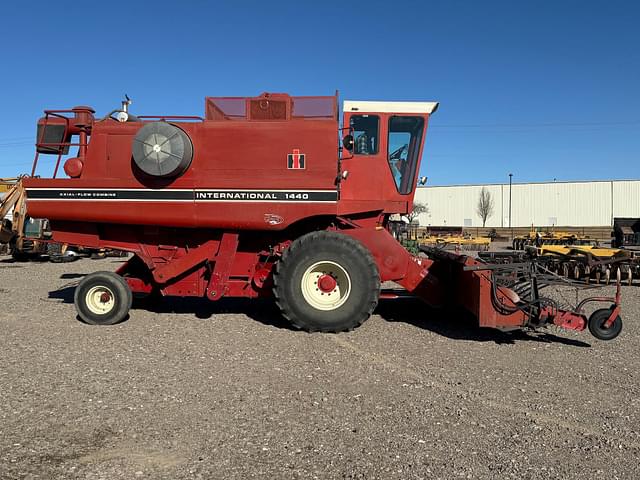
(580, 204)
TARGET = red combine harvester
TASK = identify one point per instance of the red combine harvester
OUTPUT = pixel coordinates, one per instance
(260, 198)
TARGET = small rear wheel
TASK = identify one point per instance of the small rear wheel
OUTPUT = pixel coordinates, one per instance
(103, 298)
(597, 328)
(327, 282)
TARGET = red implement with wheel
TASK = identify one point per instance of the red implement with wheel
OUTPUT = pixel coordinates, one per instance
(267, 196)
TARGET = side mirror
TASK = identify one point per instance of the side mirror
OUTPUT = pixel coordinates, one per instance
(347, 142)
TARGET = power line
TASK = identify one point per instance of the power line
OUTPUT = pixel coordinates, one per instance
(536, 125)
(15, 144)
(15, 164)
(16, 139)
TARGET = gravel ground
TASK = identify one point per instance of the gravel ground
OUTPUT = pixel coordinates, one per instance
(227, 390)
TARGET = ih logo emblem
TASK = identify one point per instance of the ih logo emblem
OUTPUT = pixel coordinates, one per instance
(296, 160)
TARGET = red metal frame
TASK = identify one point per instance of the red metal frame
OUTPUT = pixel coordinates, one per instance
(577, 319)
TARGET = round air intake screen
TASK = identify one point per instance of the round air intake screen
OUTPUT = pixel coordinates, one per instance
(162, 150)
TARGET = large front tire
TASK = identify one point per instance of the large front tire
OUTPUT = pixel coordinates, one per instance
(103, 298)
(327, 282)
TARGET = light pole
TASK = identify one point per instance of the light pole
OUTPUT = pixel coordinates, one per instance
(510, 183)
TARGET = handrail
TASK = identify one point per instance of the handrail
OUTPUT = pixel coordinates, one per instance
(82, 144)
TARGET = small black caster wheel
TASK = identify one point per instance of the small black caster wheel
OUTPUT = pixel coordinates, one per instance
(597, 328)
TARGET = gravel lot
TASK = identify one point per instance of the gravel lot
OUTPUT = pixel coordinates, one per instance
(227, 390)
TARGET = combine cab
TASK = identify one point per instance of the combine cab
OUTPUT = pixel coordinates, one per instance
(259, 199)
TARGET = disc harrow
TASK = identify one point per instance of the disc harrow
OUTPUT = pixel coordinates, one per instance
(586, 263)
(539, 238)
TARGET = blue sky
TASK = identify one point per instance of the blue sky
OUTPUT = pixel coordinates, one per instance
(543, 89)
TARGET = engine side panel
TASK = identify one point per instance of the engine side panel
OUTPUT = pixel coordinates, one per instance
(244, 175)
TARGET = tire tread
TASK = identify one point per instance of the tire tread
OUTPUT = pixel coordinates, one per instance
(305, 242)
(119, 283)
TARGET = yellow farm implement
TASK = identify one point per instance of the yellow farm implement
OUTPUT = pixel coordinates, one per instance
(539, 238)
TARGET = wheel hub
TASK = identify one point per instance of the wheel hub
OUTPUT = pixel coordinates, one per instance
(327, 283)
(100, 300)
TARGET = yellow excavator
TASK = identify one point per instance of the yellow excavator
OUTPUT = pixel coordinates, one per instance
(25, 237)
(6, 184)
(15, 226)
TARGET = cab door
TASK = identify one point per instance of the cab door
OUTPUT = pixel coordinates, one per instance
(363, 165)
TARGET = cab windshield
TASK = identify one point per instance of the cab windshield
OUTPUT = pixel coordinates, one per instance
(405, 138)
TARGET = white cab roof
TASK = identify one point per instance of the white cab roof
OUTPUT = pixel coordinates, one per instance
(389, 107)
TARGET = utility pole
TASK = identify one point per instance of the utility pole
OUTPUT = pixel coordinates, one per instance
(510, 183)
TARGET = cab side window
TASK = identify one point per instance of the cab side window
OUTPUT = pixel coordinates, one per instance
(366, 133)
